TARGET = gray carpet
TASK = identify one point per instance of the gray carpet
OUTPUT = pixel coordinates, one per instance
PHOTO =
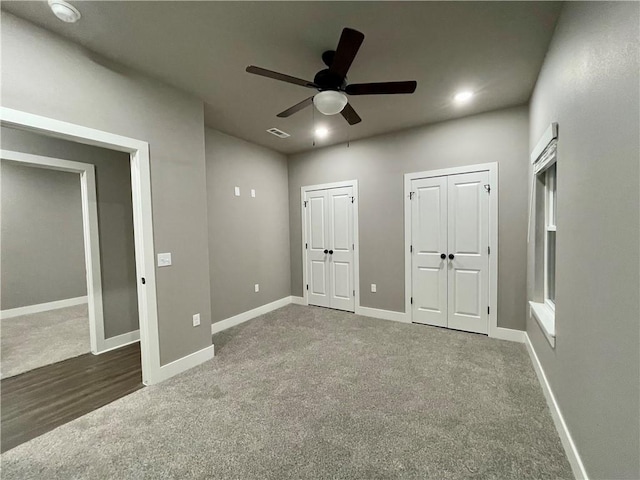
(32, 341)
(312, 393)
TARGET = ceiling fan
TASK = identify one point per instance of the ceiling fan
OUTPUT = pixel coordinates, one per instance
(331, 82)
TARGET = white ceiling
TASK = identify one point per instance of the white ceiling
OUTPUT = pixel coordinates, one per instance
(493, 48)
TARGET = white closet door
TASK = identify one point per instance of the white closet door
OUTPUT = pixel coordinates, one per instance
(468, 241)
(340, 203)
(317, 211)
(429, 243)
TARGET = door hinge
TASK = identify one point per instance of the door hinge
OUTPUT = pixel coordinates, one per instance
(354, 293)
(487, 187)
(411, 300)
(488, 310)
(305, 204)
(489, 250)
(144, 281)
(353, 199)
(306, 246)
(353, 246)
(307, 286)
(411, 194)
(411, 248)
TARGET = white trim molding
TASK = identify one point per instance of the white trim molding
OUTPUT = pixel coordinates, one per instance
(561, 426)
(297, 300)
(356, 238)
(550, 134)
(119, 341)
(185, 363)
(383, 314)
(492, 168)
(248, 315)
(42, 307)
(509, 334)
(142, 218)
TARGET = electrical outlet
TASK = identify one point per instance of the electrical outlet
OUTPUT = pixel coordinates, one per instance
(196, 320)
(257, 287)
(236, 191)
(253, 193)
(374, 288)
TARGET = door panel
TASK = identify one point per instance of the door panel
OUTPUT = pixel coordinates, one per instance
(468, 241)
(330, 227)
(317, 241)
(341, 235)
(429, 241)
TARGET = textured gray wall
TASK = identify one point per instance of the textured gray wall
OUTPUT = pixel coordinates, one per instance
(589, 85)
(40, 70)
(379, 164)
(42, 246)
(115, 222)
(248, 237)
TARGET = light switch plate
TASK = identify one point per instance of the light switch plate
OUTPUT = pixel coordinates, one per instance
(196, 320)
(257, 287)
(236, 191)
(164, 259)
(374, 288)
(253, 193)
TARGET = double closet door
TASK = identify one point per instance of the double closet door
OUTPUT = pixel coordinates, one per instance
(330, 248)
(450, 251)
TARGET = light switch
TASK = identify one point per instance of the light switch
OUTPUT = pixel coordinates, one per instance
(256, 287)
(373, 288)
(164, 259)
(236, 190)
(253, 193)
(196, 320)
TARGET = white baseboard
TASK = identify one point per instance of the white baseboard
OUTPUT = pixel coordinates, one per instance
(118, 341)
(565, 436)
(183, 364)
(298, 300)
(248, 315)
(383, 314)
(42, 307)
(508, 334)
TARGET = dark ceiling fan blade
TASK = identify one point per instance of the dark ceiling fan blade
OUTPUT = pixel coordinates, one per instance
(279, 76)
(348, 47)
(350, 115)
(382, 88)
(296, 108)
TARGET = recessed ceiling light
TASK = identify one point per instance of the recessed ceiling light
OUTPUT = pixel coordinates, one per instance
(464, 96)
(321, 132)
(64, 11)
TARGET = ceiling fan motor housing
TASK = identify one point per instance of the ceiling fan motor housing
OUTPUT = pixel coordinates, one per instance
(327, 80)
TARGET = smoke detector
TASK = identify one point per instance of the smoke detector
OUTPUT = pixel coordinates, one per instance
(278, 133)
(64, 11)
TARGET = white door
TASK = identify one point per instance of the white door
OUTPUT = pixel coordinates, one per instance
(468, 252)
(429, 245)
(450, 219)
(330, 248)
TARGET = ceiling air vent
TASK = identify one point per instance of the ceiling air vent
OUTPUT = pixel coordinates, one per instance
(278, 133)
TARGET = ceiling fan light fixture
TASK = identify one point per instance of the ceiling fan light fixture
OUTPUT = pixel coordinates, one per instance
(64, 11)
(330, 102)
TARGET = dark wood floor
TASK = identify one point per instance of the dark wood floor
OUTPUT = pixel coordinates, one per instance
(40, 400)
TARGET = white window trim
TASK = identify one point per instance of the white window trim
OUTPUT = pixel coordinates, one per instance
(543, 157)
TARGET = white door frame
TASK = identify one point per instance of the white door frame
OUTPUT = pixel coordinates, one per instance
(492, 168)
(142, 217)
(89, 231)
(356, 253)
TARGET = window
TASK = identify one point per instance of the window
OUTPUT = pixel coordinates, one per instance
(545, 199)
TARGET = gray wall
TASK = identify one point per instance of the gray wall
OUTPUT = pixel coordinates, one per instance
(589, 85)
(248, 237)
(379, 164)
(40, 70)
(41, 240)
(115, 223)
